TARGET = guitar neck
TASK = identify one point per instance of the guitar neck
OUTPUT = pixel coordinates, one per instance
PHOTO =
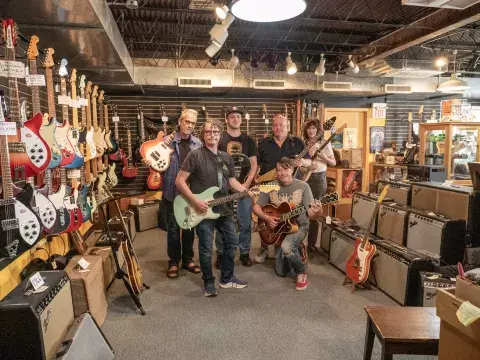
(105, 117)
(83, 112)
(116, 129)
(141, 126)
(6, 175)
(129, 143)
(88, 112)
(94, 113)
(74, 109)
(100, 115)
(35, 90)
(370, 225)
(50, 92)
(226, 199)
(63, 89)
(317, 153)
(48, 181)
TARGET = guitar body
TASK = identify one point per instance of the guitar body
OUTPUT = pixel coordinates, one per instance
(70, 202)
(154, 180)
(157, 152)
(111, 138)
(47, 131)
(91, 148)
(82, 203)
(108, 141)
(73, 138)
(44, 208)
(82, 135)
(276, 236)
(102, 194)
(61, 136)
(37, 155)
(63, 216)
(186, 216)
(133, 269)
(112, 179)
(103, 141)
(129, 169)
(118, 155)
(98, 140)
(358, 265)
(92, 197)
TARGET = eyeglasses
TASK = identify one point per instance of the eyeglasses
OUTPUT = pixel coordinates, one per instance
(211, 132)
(191, 123)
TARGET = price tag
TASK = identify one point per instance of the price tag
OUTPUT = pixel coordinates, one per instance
(328, 220)
(12, 69)
(57, 88)
(83, 263)
(8, 128)
(61, 99)
(267, 121)
(164, 118)
(74, 174)
(83, 102)
(115, 119)
(37, 281)
(74, 103)
(35, 80)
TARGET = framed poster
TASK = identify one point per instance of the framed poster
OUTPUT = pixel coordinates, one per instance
(350, 137)
(377, 138)
(337, 141)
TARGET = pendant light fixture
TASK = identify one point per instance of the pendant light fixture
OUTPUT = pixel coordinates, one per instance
(233, 62)
(267, 10)
(320, 70)
(291, 66)
(454, 85)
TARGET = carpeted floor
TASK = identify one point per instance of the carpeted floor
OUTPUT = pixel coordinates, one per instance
(267, 320)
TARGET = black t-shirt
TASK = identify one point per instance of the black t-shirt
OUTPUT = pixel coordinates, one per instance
(184, 149)
(269, 152)
(203, 165)
(236, 147)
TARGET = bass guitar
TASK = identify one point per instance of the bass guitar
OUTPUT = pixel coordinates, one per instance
(358, 265)
(286, 224)
(129, 170)
(188, 217)
(265, 120)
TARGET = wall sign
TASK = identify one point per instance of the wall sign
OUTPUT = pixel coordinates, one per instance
(377, 138)
(379, 111)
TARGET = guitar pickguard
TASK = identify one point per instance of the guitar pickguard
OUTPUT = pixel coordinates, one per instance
(28, 224)
(37, 151)
(45, 211)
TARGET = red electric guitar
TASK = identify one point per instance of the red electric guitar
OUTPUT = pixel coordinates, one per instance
(129, 170)
(358, 265)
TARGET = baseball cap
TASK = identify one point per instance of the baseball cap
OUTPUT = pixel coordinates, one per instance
(233, 109)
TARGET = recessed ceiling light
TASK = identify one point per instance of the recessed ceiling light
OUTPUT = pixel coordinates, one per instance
(267, 10)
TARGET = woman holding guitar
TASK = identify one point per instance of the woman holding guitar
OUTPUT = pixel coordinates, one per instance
(317, 180)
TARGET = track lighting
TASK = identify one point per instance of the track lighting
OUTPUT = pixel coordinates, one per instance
(354, 67)
(320, 70)
(218, 35)
(214, 60)
(233, 62)
(254, 63)
(272, 63)
(222, 12)
(291, 67)
(440, 62)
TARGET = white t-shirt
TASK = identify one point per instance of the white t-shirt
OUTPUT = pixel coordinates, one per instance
(327, 152)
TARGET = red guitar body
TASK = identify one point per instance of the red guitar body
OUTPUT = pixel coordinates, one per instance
(275, 236)
(76, 216)
(129, 170)
(24, 161)
(358, 265)
(117, 156)
(154, 180)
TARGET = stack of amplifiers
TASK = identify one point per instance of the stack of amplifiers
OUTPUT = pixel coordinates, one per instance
(430, 282)
(392, 222)
(363, 205)
(32, 325)
(436, 234)
(396, 271)
(399, 192)
(455, 202)
(417, 172)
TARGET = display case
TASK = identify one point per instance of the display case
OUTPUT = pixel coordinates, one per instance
(452, 144)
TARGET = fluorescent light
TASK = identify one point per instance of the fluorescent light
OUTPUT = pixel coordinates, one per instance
(233, 62)
(453, 85)
(291, 67)
(267, 10)
(222, 12)
(320, 70)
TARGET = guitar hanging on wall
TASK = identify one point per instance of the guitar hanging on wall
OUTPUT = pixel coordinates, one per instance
(119, 154)
(129, 170)
(265, 120)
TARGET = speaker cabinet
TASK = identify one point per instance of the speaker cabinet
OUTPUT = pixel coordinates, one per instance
(363, 205)
(453, 204)
(325, 234)
(392, 222)
(399, 192)
(424, 198)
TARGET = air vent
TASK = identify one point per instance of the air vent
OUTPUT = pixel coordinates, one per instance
(268, 84)
(195, 83)
(336, 86)
(202, 5)
(397, 89)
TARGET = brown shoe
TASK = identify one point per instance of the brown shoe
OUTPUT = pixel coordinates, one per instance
(172, 272)
(245, 259)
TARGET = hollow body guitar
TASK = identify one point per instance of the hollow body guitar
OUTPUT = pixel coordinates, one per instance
(287, 214)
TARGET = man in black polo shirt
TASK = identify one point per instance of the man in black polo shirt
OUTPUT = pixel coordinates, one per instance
(204, 168)
(271, 150)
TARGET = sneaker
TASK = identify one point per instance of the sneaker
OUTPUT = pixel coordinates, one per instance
(301, 282)
(210, 290)
(218, 262)
(262, 255)
(234, 283)
(245, 259)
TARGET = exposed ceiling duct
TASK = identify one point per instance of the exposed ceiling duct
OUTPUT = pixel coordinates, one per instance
(445, 4)
(401, 69)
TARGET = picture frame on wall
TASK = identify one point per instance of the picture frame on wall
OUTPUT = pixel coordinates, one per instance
(377, 138)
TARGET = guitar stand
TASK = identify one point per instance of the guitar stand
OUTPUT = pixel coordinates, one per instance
(120, 274)
(367, 285)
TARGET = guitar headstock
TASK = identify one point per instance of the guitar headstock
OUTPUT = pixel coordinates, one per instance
(81, 85)
(327, 125)
(246, 114)
(101, 96)
(163, 110)
(341, 128)
(410, 117)
(106, 100)
(383, 193)
(420, 110)
(184, 107)
(264, 111)
(88, 89)
(95, 92)
(73, 77)
(204, 108)
(32, 50)
(9, 34)
(329, 198)
(62, 70)
(285, 110)
(47, 61)
(3, 104)
(139, 108)
(268, 188)
(433, 116)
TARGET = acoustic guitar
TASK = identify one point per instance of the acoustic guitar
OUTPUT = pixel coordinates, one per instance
(358, 265)
(287, 213)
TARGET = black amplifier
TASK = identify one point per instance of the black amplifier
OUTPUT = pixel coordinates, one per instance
(430, 282)
(33, 324)
(399, 192)
(416, 172)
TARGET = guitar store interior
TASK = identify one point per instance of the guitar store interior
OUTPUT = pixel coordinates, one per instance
(407, 178)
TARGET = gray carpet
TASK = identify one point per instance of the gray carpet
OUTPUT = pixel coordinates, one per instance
(267, 320)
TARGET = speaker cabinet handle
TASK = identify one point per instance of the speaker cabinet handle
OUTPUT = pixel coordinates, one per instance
(64, 348)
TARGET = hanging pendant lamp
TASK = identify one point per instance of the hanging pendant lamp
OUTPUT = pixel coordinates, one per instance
(267, 10)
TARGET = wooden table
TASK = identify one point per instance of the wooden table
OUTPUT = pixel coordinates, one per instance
(402, 330)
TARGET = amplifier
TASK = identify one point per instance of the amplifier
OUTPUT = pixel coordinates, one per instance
(32, 325)
(416, 172)
(342, 245)
(399, 192)
(396, 271)
(146, 215)
(436, 234)
(429, 283)
(84, 341)
(363, 205)
(115, 224)
(325, 233)
(392, 222)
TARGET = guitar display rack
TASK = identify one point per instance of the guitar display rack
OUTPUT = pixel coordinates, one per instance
(120, 274)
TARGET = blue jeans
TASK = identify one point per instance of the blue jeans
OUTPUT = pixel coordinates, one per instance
(225, 226)
(244, 216)
(177, 251)
(318, 185)
(288, 256)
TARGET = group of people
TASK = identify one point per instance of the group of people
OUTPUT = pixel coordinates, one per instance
(197, 164)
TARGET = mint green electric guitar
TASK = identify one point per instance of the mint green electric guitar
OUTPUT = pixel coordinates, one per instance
(187, 216)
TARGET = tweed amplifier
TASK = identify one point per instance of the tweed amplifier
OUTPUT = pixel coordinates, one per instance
(436, 234)
(363, 205)
(399, 192)
(146, 215)
(416, 172)
(342, 245)
(392, 222)
(84, 341)
(396, 271)
(33, 324)
(430, 282)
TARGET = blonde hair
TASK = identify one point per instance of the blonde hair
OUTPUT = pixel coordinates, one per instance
(188, 111)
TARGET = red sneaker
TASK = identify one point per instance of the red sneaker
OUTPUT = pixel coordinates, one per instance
(301, 282)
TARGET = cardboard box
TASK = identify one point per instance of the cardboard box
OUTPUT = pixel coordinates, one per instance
(458, 341)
